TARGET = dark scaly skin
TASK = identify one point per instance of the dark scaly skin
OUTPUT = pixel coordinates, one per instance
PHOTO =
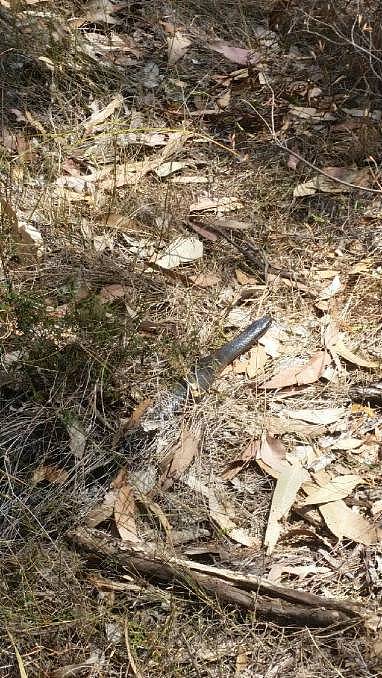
(207, 369)
(371, 393)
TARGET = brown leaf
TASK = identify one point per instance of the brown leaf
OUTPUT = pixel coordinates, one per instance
(52, 474)
(282, 425)
(205, 279)
(204, 232)
(245, 279)
(178, 45)
(129, 174)
(124, 513)
(95, 121)
(220, 205)
(110, 293)
(155, 509)
(182, 454)
(273, 453)
(34, 122)
(189, 179)
(77, 439)
(332, 289)
(325, 415)
(100, 11)
(300, 374)
(355, 177)
(344, 352)
(219, 514)
(103, 511)
(336, 488)
(287, 487)
(137, 414)
(236, 465)
(292, 162)
(343, 522)
(230, 224)
(238, 55)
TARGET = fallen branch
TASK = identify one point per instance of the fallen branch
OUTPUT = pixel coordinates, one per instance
(270, 601)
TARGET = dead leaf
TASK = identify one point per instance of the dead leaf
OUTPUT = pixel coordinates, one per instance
(220, 205)
(256, 363)
(230, 224)
(325, 416)
(130, 173)
(103, 242)
(224, 100)
(376, 509)
(34, 122)
(300, 374)
(52, 474)
(136, 415)
(178, 45)
(238, 317)
(239, 463)
(245, 279)
(283, 425)
(293, 161)
(124, 513)
(336, 488)
(343, 522)
(344, 352)
(221, 512)
(30, 244)
(100, 11)
(311, 114)
(241, 664)
(103, 511)
(332, 289)
(220, 516)
(287, 487)
(154, 508)
(205, 280)
(110, 293)
(180, 251)
(356, 177)
(95, 121)
(271, 340)
(77, 439)
(150, 75)
(273, 453)
(170, 167)
(238, 55)
(182, 455)
(346, 444)
(363, 266)
(112, 48)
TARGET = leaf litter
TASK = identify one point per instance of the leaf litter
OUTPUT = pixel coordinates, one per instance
(287, 449)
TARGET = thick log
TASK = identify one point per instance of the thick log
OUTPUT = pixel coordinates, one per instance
(281, 604)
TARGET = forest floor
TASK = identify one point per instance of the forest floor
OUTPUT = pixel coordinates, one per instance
(169, 173)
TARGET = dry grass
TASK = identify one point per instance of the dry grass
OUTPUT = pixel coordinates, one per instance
(86, 364)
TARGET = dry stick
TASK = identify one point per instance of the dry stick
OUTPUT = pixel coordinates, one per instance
(285, 605)
(285, 148)
(259, 260)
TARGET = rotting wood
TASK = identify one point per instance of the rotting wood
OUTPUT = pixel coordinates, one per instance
(271, 601)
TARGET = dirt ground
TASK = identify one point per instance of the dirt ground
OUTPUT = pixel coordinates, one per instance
(171, 172)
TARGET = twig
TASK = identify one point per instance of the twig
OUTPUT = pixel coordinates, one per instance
(283, 147)
(268, 600)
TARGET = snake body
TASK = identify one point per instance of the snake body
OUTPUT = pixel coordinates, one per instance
(202, 376)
